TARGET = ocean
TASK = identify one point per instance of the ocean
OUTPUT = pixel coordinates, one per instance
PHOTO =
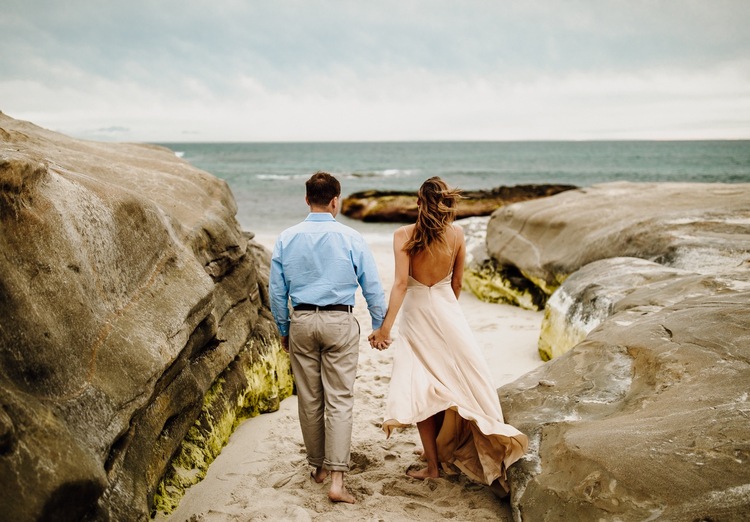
(267, 179)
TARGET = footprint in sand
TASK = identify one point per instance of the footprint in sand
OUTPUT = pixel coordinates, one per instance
(422, 512)
(284, 480)
(360, 461)
(406, 487)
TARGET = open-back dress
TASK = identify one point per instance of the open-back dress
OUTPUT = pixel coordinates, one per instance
(439, 366)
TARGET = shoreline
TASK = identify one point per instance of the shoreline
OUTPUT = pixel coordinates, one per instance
(262, 471)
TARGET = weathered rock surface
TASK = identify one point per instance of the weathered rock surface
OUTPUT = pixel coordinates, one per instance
(135, 326)
(401, 207)
(700, 227)
(602, 288)
(646, 419)
(643, 411)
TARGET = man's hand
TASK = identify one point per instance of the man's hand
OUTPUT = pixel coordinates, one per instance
(285, 343)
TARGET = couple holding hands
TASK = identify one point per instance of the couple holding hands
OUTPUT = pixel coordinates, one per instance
(440, 380)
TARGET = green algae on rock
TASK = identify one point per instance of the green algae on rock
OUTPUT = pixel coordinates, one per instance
(493, 283)
(251, 385)
(557, 334)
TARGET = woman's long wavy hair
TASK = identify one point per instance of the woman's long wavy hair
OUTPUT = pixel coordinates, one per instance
(437, 208)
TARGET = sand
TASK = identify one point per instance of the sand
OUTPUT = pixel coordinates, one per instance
(262, 473)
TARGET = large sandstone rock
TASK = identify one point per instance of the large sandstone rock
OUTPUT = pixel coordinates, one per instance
(135, 326)
(602, 288)
(700, 227)
(642, 413)
(646, 419)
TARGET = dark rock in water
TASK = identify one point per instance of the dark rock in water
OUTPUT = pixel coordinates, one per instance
(401, 207)
(135, 326)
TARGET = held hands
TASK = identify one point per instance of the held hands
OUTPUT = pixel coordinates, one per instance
(379, 340)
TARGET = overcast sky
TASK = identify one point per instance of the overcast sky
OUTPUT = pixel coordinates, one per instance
(280, 70)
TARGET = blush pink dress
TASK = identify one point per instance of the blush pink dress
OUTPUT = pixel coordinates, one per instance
(439, 366)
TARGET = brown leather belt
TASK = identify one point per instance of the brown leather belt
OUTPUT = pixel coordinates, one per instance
(327, 308)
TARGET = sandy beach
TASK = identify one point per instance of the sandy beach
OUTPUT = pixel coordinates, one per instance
(262, 473)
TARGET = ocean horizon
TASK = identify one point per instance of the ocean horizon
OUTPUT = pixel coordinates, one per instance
(267, 178)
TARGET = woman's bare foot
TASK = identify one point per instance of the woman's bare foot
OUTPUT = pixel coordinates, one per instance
(338, 492)
(319, 475)
(499, 489)
(423, 473)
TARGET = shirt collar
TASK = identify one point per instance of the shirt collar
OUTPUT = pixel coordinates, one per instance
(320, 216)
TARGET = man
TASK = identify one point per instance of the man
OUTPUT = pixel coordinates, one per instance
(318, 265)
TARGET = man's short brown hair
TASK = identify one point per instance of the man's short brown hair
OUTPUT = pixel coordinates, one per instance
(322, 188)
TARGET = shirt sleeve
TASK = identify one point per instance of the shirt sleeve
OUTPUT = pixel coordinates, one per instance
(278, 292)
(369, 281)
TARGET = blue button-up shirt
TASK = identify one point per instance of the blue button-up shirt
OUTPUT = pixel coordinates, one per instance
(322, 262)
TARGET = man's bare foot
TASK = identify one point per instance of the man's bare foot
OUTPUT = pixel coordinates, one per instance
(341, 495)
(423, 473)
(319, 475)
(338, 492)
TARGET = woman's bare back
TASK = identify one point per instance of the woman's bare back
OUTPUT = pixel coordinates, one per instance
(437, 262)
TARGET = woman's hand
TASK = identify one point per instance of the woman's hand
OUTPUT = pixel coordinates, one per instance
(379, 339)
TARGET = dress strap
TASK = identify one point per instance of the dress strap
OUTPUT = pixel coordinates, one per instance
(407, 239)
(455, 251)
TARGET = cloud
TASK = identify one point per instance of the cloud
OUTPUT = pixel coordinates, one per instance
(294, 70)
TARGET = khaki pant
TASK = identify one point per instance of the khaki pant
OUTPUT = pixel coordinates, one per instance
(324, 349)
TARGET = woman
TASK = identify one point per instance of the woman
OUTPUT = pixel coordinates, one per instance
(440, 379)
